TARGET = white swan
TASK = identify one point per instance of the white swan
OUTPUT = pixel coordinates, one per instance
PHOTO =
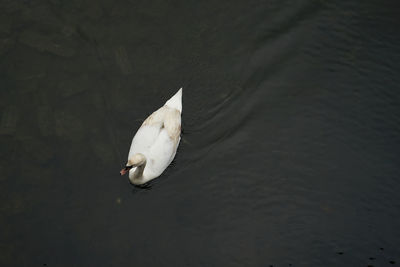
(154, 145)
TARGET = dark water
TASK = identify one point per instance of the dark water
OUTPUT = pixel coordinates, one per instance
(290, 152)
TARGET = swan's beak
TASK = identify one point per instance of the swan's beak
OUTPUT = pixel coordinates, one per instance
(125, 170)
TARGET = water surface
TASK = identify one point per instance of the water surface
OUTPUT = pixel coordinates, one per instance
(290, 151)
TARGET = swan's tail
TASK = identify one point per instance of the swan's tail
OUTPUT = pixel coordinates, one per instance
(175, 101)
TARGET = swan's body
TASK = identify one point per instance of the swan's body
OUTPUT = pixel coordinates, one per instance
(154, 145)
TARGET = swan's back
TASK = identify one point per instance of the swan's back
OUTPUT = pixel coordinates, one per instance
(165, 118)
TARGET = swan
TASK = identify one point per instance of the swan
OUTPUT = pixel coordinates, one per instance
(154, 145)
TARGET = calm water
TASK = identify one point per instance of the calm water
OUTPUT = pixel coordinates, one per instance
(291, 144)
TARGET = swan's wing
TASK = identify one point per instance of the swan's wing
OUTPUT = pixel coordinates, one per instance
(156, 117)
(147, 133)
(162, 152)
(172, 124)
(164, 118)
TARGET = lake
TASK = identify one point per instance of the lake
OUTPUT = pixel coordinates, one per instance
(290, 152)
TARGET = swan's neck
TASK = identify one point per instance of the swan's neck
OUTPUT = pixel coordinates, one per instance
(138, 173)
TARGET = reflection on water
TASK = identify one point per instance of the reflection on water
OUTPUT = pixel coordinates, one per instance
(291, 133)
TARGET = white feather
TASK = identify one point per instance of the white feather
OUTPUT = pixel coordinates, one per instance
(157, 139)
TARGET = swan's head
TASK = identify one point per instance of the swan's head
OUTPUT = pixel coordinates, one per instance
(134, 161)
